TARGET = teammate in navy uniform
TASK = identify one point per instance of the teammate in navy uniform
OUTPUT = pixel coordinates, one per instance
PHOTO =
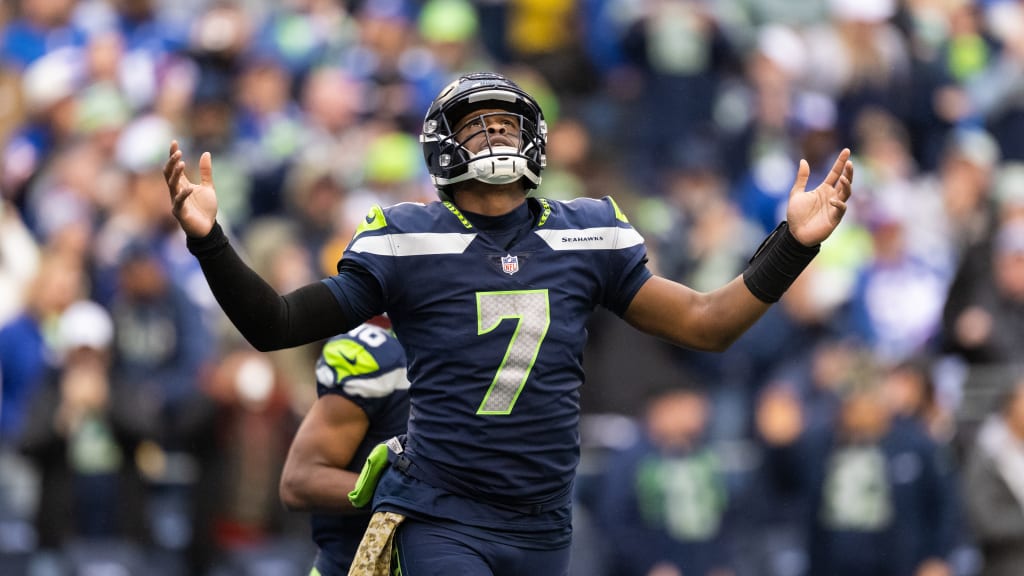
(363, 400)
(489, 293)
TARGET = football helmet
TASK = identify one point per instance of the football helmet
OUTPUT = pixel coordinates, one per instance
(448, 160)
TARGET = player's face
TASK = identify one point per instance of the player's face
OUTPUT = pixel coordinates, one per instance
(488, 127)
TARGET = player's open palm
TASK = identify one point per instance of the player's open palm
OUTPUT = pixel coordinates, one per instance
(813, 214)
(194, 205)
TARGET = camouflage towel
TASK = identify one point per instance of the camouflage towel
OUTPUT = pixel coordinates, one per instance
(373, 558)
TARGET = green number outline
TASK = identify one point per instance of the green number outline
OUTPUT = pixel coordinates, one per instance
(504, 380)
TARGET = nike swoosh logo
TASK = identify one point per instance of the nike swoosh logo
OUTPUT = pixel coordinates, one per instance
(371, 217)
(351, 360)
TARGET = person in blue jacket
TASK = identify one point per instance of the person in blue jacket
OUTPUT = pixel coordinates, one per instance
(664, 504)
(876, 490)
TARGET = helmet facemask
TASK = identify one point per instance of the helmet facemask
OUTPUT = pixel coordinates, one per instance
(511, 124)
(504, 156)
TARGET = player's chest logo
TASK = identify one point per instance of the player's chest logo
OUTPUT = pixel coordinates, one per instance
(509, 264)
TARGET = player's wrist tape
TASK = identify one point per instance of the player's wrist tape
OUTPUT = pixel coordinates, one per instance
(776, 263)
(208, 245)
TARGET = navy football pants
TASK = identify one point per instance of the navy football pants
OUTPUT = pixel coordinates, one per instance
(425, 549)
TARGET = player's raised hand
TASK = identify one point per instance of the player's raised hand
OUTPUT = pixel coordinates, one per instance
(194, 205)
(813, 214)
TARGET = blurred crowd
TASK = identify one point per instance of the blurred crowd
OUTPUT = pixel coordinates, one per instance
(872, 423)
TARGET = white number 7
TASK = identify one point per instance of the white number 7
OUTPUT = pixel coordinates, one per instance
(531, 310)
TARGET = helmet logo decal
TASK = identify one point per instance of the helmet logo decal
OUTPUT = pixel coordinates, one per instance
(509, 264)
(447, 92)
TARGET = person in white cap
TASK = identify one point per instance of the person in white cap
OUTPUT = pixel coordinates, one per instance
(81, 435)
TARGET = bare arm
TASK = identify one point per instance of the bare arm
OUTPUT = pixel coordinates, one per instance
(702, 321)
(314, 476)
(714, 320)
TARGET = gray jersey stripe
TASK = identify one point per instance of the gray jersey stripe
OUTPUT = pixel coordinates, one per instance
(377, 387)
(413, 244)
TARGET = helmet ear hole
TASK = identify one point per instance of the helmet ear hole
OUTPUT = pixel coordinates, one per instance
(448, 162)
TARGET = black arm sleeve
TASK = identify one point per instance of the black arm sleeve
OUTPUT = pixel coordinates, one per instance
(266, 319)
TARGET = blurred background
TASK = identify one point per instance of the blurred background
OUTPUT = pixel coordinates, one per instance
(871, 423)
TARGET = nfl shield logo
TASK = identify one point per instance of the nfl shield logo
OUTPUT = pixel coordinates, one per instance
(510, 264)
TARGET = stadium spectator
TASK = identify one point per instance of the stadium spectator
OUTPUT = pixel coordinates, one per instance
(162, 350)
(664, 506)
(26, 346)
(19, 260)
(992, 486)
(877, 501)
(897, 299)
(38, 28)
(986, 329)
(237, 514)
(81, 432)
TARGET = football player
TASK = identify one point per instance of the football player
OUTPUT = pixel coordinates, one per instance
(489, 292)
(362, 401)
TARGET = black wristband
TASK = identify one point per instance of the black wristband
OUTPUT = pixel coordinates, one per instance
(209, 245)
(776, 264)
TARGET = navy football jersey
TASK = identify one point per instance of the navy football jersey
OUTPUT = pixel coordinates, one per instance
(494, 336)
(366, 366)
